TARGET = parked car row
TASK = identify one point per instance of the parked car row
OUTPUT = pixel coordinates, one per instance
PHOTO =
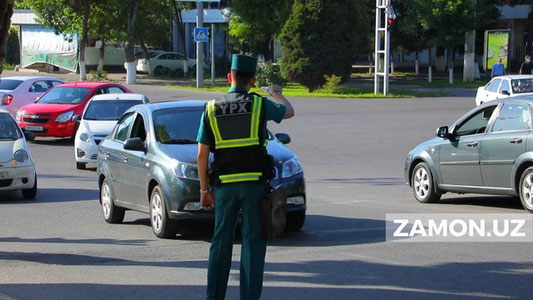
(145, 153)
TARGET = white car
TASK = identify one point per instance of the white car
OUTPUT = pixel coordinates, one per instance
(17, 169)
(505, 86)
(98, 119)
(18, 91)
(140, 54)
(160, 61)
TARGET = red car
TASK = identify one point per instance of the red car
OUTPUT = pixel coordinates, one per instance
(52, 114)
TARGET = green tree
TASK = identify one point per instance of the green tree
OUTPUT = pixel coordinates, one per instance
(255, 23)
(315, 44)
(66, 16)
(408, 33)
(13, 47)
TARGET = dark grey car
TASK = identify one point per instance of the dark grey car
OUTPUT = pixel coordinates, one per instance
(489, 151)
(148, 164)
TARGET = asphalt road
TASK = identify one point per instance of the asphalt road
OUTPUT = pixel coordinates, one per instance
(59, 247)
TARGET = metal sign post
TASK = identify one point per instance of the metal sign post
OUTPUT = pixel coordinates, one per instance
(384, 12)
(200, 42)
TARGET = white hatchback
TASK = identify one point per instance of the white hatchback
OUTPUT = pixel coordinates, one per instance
(97, 121)
(17, 169)
(505, 86)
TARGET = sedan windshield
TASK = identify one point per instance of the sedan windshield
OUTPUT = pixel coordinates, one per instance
(522, 85)
(108, 110)
(9, 84)
(8, 128)
(177, 125)
(65, 95)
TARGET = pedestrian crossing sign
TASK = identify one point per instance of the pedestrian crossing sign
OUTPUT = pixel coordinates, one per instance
(201, 34)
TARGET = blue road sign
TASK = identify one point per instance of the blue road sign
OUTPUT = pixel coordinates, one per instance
(201, 34)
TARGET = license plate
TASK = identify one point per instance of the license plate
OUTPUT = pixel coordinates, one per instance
(34, 128)
(4, 175)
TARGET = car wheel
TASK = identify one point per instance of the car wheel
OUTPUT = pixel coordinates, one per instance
(111, 212)
(422, 183)
(295, 220)
(162, 225)
(158, 70)
(80, 166)
(526, 189)
(30, 193)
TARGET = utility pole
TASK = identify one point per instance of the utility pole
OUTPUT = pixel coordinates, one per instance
(384, 17)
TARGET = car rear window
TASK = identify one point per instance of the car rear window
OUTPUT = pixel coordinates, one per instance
(522, 85)
(177, 125)
(9, 130)
(108, 110)
(65, 95)
(9, 84)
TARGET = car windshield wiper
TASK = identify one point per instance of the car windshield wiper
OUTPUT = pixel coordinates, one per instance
(9, 138)
(179, 141)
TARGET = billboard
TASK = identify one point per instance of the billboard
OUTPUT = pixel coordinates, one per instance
(496, 46)
(42, 45)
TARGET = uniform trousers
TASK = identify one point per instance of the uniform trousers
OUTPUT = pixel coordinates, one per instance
(229, 200)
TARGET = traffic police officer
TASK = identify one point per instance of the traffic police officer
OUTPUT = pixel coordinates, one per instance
(233, 127)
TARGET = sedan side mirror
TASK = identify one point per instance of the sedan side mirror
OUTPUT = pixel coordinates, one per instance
(283, 138)
(134, 144)
(442, 132)
(506, 93)
(30, 136)
(76, 118)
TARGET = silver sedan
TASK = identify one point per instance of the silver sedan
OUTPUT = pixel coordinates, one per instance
(488, 151)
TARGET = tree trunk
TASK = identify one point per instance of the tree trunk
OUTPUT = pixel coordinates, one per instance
(83, 72)
(417, 66)
(101, 57)
(131, 77)
(146, 56)
(6, 11)
(181, 26)
(450, 64)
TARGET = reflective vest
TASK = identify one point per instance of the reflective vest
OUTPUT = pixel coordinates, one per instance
(237, 122)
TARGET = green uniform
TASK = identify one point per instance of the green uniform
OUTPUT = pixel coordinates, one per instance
(229, 200)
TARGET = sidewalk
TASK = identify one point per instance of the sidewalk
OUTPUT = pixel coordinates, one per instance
(142, 79)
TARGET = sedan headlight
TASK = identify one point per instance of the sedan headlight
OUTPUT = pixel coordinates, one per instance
(65, 117)
(85, 137)
(291, 167)
(21, 156)
(19, 114)
(185, 170)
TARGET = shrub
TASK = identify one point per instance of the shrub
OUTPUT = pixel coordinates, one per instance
(98, 76)
(332, 83)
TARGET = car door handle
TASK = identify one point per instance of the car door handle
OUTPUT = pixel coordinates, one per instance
(472, 144)
(516, 141)
(125, 158)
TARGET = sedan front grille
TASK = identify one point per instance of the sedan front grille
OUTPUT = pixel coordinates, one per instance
(36, 121)
(5, 182)
(94, 156)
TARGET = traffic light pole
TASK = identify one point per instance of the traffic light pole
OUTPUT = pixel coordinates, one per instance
(384, 12)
